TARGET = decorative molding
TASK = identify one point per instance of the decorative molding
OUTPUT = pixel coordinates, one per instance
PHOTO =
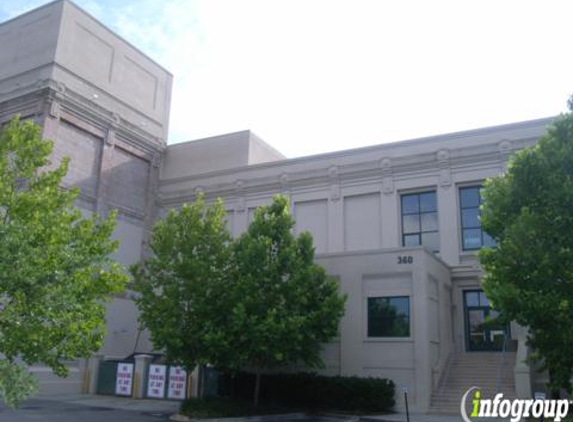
(123, 211)
(505, 152)
(60, 98)
(334, 180)
(156, 160)
(387, 176)
(264, 179)
(241, 204)
(285, 186)
(110, 138)
(445, 174)
(54, 108)
(116, 119)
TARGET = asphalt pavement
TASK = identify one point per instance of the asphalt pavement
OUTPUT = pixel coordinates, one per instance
(84, 409)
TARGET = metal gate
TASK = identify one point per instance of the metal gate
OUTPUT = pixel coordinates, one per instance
(106, 377)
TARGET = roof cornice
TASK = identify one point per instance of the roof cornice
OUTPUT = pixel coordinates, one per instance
(259, 179)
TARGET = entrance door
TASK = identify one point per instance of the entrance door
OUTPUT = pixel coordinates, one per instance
(482, 336)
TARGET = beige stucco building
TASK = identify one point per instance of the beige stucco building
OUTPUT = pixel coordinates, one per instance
(397, 224)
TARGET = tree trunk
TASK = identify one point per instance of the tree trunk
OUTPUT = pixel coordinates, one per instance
(257, 388)
(554, 393)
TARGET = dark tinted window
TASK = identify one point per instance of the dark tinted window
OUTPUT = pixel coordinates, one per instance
(473, 237)
(389, 316)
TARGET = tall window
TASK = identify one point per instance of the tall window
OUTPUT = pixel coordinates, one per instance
(473, 237)
(420, 220)
(389, 316)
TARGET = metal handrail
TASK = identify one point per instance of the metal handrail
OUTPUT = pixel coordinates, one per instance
(501, 364)
(446, 373)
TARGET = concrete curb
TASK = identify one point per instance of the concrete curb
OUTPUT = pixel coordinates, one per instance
(260, 418)
(278, 418)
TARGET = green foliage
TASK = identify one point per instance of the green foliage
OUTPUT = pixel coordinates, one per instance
(314, 392)
(285, 306)
(529, 276)
(16, 383)
(55, 269)
(258, 302)
(182, 285)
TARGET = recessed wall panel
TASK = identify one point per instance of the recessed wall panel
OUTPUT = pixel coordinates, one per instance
(94, 55)
(84, 150)
(126, 176)
(312, 216)
(362, 225)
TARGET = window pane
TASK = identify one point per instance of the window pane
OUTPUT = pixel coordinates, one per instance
(402, 304)
(431, 241)
(483, 299)
(472, 298)
(412, 240)
(410, 204)
(470, 218)
(429, 221)
(388, 317)
(428, 202)
(469, 197)
(472, 238)
(420, 220)
(488, 240)
(411, 223)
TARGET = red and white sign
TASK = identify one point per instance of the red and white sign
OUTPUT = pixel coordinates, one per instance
(124, 379)
(177, 383)
(156, 381)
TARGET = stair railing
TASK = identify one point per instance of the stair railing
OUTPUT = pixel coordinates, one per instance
(501, 364)
(447, 369)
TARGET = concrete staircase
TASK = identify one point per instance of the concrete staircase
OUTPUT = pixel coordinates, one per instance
(492, 372)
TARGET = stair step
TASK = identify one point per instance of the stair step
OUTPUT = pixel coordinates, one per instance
(492, 373)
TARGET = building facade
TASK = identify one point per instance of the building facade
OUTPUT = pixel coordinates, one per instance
(397, 224)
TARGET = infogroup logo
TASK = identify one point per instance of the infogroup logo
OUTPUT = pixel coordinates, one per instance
(516, 410)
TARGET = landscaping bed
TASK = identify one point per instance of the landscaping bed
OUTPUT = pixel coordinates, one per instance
(294, 393)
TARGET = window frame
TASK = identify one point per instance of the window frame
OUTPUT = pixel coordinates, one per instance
(389, 337)
(479, 186)
(419, 213)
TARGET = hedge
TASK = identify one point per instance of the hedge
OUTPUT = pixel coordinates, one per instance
(314, 392)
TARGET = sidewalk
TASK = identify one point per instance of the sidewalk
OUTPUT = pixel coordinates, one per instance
(401, 417)
(169, 407)
(121, 403)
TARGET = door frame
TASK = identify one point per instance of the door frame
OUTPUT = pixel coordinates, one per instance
(490, 347)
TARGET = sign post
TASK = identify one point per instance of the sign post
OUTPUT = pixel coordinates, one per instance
(405, 390)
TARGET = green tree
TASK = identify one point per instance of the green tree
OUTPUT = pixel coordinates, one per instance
(529, 275)
(257, 303)
(284, 306)
(181, 285)
(55, 270)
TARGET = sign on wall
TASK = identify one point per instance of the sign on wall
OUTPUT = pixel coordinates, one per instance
(156, 381)
(177, 383)
(124, 379)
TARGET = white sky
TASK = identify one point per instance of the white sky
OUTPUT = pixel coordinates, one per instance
(311, 76)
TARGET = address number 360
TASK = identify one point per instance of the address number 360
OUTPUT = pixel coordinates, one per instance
(405, 259)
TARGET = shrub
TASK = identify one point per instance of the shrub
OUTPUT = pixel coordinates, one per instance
(315, 392)
(213, 407)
